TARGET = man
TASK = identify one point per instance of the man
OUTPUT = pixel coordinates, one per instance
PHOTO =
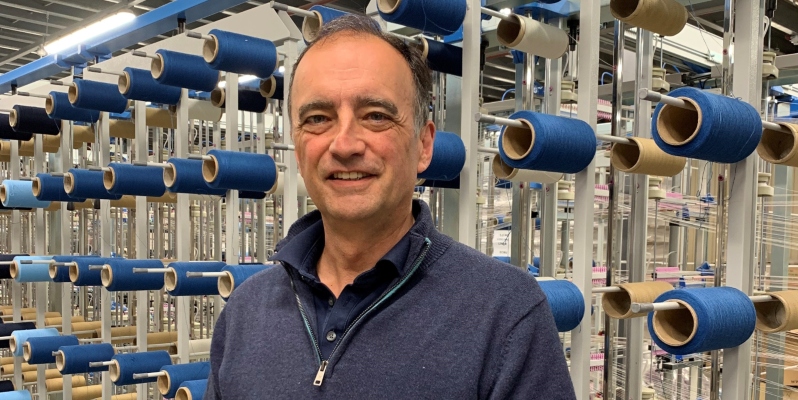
(370, 301)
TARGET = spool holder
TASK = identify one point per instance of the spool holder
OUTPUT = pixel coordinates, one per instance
(97, 364)
(646, 94)
(607, 289)
(102, 71)
(150, 164)
(497, 14)
(672, 305)
(96, 267)
(146, 375)
(150, 270)
(280, 146)
(489, 119)
(204, 274)
(139, 53)
(490, 150)
(197, 35)
(199, 157)
(29, 94)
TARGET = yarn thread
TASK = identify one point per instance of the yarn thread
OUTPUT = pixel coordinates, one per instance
(272, 87)
(81, 275)
(36, 272)
(714, 318)
(39, 350)
(185, 176)
(248, 100)
(439, 17)
(549, 143)
(19, 194)
(722, 129)
(18, 338)
(83, 183)
(566, 302)
(33, 120)
(239, 171)
(191, 390)
(118, 276)
(182, 70)
(442, 57)
(95, 95)
(138, 84)
(241, 54)
(58, 106)
(179, 373)
(448, 157)
(312, 26)
(178, 284)
(134, 180)
(76, 359)
(235, 275)
(7, 132)
(46, 187)
(126, 365)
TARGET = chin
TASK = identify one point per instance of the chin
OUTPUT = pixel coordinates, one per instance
(349, 209)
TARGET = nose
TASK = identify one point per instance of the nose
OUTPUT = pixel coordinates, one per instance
(348, 141)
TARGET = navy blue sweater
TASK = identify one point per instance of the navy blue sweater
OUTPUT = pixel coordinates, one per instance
(457, 325)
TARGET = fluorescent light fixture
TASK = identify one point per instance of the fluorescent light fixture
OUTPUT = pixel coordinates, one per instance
(241, 79)
(96, 29)
(506, 11)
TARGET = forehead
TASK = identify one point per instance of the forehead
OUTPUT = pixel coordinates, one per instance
(347, 62)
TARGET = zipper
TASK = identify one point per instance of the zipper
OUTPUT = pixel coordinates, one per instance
(388, 293)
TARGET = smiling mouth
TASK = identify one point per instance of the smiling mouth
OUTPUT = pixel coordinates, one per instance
(349, 176)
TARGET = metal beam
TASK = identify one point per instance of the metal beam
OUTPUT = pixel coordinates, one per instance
(15, 39)
(73, 5)
(25, 19)
(96, 17)
(40, 11)
(20, 30)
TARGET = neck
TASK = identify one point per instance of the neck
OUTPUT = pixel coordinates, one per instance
(353, 248)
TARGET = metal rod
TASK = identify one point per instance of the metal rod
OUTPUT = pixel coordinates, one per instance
(29, 94)
(139, 53)
(150, 270)
(204, 274)
(613, 139)
(490, 119)
(150, 164)
(287, 8)
(490, 150)
(96, 267)
(36, 261)
(149, 374)
(102, 71)
(497, 14)
(197, 35)
(199, 157)
(98, 364)
(645, 94)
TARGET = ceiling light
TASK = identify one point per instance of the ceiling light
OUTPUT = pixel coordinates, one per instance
(506, 11)
(281, 69)
(96, 29)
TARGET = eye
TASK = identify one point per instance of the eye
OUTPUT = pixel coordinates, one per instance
(377, 117)
(315, 119)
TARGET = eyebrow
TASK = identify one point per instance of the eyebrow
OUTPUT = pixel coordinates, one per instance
(313, 106)
(368, 101)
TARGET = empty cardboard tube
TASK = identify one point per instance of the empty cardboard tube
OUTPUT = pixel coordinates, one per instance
(779, 148)
(643, 156)
(780, 315)
(665, 17)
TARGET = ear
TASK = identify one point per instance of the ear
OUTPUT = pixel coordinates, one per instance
(426, 139)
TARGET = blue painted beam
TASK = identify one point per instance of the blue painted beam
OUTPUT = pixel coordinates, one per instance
(145, 26)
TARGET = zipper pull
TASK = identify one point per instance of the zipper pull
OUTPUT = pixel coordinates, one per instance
(320, 374)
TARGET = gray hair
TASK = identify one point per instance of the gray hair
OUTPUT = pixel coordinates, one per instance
(360, 25)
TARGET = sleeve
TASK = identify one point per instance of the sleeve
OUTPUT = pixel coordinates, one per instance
(213, 391)
(532, 364)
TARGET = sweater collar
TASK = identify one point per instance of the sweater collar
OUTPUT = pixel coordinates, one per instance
(305, 240)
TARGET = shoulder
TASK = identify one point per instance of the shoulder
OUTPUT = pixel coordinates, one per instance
(261, 288)
(482, 278)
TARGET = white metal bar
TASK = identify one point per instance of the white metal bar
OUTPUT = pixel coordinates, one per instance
(183, 234)
(63, 163)
(470, 95)
(139, 53)
(104, 71)
(141, 149)
(607, 289)
(587, 71)
(197, 35)
(489, 150)
(298, 11)
(204, 274)
(497, 14)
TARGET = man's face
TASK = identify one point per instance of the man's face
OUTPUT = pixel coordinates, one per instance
(352, 120)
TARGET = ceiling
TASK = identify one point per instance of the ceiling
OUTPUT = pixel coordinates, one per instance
(25, 25)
